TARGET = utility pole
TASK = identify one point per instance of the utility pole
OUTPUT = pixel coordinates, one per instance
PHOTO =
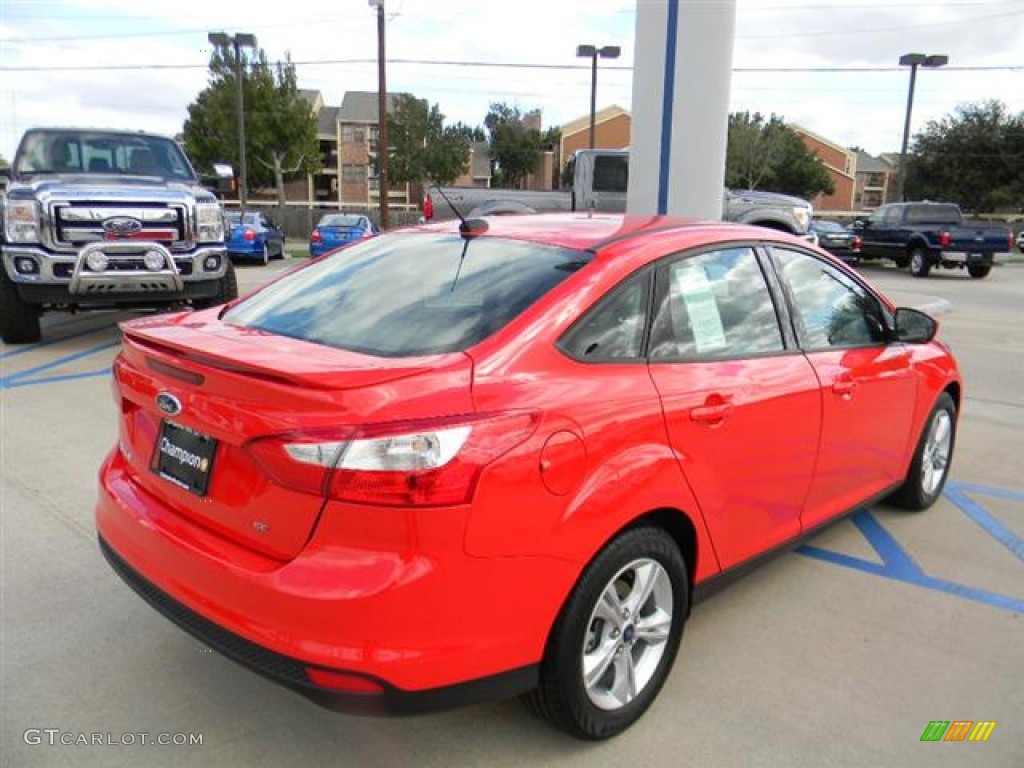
(382, 116)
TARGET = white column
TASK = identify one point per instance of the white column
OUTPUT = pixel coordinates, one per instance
(681, 74)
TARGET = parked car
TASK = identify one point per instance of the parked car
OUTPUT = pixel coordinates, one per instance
(254, 236)
(926, 235)
(337, 229)
(836, 239)
(1020, 241)
(458, 463)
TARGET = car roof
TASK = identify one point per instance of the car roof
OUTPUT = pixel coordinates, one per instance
(596, 231)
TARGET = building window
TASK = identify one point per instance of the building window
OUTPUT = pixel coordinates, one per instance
(353, 173)
(359, 135)
(346, 134)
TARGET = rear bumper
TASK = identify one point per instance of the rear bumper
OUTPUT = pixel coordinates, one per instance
(387, 595)
(294, 674)
(251, 250)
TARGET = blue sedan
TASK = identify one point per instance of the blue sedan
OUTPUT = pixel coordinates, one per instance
(338, 229)
(252, 235)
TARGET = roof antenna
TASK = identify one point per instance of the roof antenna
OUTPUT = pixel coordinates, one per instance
(467, 227)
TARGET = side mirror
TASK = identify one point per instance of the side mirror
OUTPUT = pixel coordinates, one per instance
(914, 327)
(221, 181)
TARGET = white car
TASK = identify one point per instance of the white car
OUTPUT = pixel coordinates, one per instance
(1020, 241)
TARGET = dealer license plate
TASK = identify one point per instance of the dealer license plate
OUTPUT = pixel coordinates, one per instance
(185, 457)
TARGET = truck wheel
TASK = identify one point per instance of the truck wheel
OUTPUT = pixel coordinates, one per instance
(19, 322)
(920, 264)
(227, 290)
(979, 270)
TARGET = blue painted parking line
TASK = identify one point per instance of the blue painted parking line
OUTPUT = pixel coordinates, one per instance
(29, 376)
(49, 342)
(958, 493)
(897, 564)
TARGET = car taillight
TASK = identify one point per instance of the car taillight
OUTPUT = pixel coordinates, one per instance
(1009, 242)
(428, 208)
(316, 237)
(422, 463)
(249, 235)
(856, 242)
(944, 240)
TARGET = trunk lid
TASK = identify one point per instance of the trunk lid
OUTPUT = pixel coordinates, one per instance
(194, 391)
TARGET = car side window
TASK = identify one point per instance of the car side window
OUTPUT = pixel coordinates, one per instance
(878, 216)
(892, 216)
(614, 329)
(714, 305)
(830, 309)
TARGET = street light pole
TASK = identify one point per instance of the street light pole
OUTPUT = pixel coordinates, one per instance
(382, 115)
(237, 42)
(593, 52)
(912, 60)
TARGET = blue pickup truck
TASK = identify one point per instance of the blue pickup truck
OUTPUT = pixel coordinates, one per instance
(925, 235)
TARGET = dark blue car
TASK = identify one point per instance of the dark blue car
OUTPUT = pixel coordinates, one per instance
(252, 235)
(338, 229)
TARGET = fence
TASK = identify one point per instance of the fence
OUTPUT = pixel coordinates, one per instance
(298, 219)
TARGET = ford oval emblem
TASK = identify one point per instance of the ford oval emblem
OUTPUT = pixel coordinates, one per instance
(122, 225)
(168, 403)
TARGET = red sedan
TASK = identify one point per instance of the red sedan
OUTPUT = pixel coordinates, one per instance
(457, 463)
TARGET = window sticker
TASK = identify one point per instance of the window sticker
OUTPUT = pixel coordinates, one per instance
(691, 283)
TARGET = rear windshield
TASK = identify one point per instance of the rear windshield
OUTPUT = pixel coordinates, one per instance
(341, 220)
(827, 226)
(409, 294)
(933, 214)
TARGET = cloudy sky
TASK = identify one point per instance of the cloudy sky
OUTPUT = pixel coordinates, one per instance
(137, 65)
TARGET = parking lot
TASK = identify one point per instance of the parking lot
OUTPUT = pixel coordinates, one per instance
(839, 653)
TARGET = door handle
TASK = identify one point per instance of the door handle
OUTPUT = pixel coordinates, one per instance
(712, 414)
(844, 386)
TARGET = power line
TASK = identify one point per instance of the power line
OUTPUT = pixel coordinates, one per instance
(493, 65)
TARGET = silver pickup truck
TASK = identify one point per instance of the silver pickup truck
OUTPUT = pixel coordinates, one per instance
(599, 180)
(99, 219)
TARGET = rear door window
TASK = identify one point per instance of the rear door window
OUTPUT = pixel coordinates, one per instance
(715, 305)
(409, 294)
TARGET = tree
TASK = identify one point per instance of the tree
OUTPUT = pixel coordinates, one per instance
(422, 148)
(280, 129)
(472, 133)
(767, 154)
(516, 149)
(3, 162)
(972, 156)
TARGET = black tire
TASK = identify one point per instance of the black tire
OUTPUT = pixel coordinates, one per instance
(227, 290)
(979, 270)
(920, 263)
(19, 322)
(265, 255)
(281, 250)
(917, 492)
(562, 697)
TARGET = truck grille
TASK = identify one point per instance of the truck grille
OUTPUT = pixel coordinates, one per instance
(77, 224)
